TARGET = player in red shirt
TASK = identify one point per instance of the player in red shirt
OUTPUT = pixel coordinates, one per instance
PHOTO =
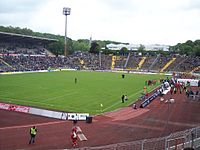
(74, 136)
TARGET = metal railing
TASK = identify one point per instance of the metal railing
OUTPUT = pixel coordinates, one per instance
(175, 141)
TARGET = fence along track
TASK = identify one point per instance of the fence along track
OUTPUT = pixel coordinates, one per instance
(175, 141)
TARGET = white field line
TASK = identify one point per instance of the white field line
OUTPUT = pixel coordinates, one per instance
(52, 98)
(72, 108)
(56, 97)
(119, 101)
(46, 99)
(69, 108)
(30, 125)
(129, 96)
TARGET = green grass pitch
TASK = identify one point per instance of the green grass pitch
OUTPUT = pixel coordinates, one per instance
(58, 91)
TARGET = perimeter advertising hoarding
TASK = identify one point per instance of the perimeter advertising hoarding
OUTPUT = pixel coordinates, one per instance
(13, 107)
(77, 116)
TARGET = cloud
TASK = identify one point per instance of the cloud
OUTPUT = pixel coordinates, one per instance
(134, 21)
(19, 12)
(119, 5)
(19, 6)
(193, 5)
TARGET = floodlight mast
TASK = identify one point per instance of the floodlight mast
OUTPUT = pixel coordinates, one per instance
(66, 12)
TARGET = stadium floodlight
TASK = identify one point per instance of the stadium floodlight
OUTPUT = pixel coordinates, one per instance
(100, 59)
(66, 12)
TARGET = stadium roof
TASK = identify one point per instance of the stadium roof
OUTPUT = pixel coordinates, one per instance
(12, 37)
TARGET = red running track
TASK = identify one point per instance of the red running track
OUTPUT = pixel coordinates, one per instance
(123, 125)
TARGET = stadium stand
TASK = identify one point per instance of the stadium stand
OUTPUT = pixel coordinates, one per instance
(133, 61)
(176, 63)
(148, 62)
(105, 62)
(120, 61)
(168, 64)
(161, 62)
(28, 53)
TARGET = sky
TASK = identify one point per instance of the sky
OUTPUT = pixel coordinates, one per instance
(130, 21)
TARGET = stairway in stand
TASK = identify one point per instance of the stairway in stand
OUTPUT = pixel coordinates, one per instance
(141, 63)
(113, 62)
(168, 64)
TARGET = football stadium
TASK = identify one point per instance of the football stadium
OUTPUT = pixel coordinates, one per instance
(118, 101)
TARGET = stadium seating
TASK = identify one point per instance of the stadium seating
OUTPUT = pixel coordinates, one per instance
(32, 58)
